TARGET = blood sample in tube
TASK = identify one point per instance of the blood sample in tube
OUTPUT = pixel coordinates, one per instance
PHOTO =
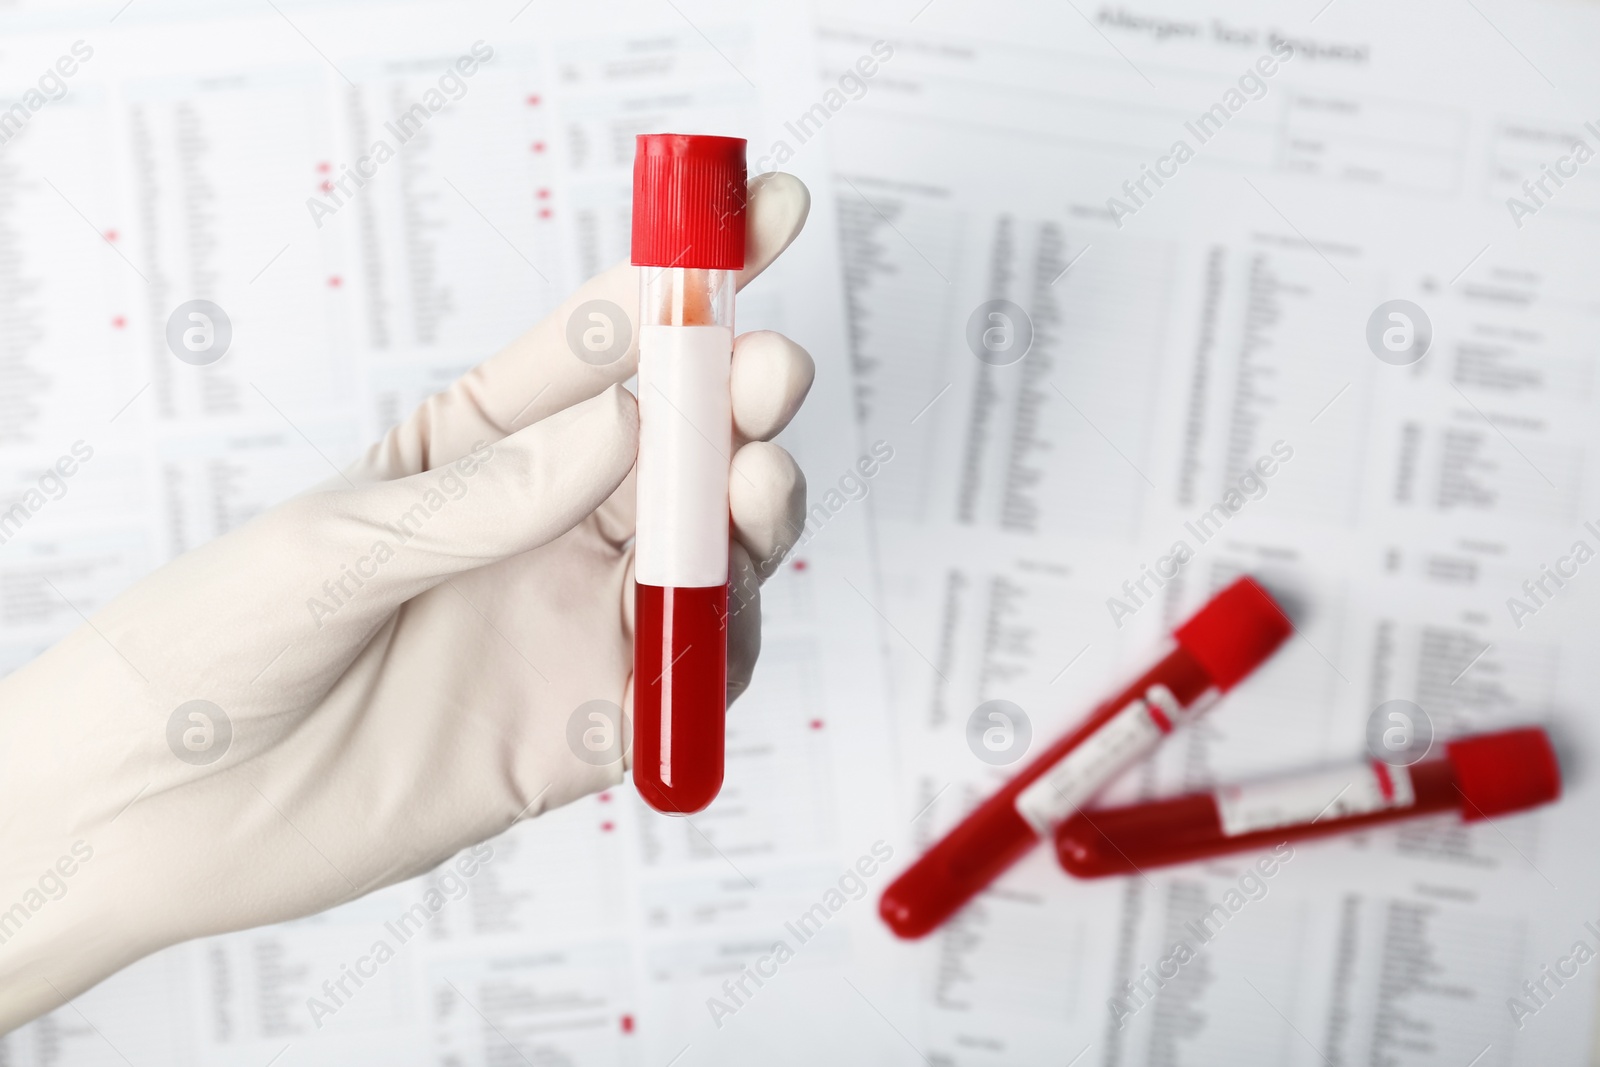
(1481, 777)
(689, 244)
(1211, 653)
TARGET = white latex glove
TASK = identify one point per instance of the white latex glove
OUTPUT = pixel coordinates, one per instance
(422, 711)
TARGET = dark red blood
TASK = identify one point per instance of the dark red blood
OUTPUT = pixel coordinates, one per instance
(680, 695)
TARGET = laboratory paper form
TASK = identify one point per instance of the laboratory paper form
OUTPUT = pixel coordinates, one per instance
(180, 164)
(1119, 280)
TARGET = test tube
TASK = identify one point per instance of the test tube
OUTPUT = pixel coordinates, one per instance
(1216, 649)
(1481, 777)
(689, 243)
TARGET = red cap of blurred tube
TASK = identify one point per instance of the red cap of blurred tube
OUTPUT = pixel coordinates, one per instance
(1504, 772)
(688, 201)
(1235, 632)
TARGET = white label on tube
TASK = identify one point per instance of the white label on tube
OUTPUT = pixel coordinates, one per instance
(1317, 797)
(685, 441)
(1056, 795)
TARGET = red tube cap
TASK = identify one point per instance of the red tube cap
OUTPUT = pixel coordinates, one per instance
(688, 201)
(1504, 772)
(1235, 632)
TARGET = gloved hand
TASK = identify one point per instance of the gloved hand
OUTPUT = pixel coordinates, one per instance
(397, 654)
